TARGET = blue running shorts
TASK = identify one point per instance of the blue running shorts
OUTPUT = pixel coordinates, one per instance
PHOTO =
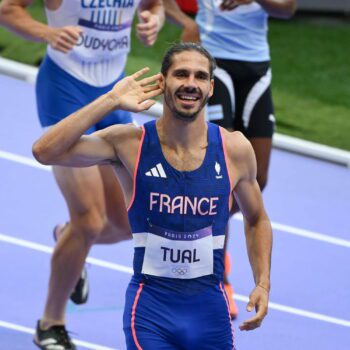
(161, 319)
(59, 94)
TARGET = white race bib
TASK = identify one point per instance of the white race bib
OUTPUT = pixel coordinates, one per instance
(181, 255)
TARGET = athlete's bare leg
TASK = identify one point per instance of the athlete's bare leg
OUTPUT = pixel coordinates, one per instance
(262, 148)
(94, 217)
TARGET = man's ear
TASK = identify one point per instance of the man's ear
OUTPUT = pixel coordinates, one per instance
(161, 82)
(211, 90)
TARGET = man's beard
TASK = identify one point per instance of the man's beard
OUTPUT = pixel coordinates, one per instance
(183, 115)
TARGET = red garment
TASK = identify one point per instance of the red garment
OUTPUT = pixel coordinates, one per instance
(188, 6)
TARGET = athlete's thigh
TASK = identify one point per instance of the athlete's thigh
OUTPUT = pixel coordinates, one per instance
(114, 199)
(211, 326)
(262, 147)
(82, 189)
(145, 322)
(147, 340)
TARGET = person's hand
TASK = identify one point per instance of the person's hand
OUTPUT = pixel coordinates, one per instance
(259, 298)
(134, 95)
(228, 5)
(63, 39)
(190, 32)
(148, 28)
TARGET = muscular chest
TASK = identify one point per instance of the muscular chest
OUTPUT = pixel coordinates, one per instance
(187, 160)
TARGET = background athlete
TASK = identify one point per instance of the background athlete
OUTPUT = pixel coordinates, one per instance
(88, 44)
(178, 175)
(235, 33)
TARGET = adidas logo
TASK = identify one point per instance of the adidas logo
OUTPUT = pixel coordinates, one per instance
(157, 171)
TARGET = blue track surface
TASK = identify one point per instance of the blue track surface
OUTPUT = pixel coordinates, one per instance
(308, 274)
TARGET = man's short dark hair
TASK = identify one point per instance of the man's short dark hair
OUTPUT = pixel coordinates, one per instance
(181, 47)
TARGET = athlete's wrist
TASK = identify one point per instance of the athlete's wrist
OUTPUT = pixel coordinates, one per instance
(266, 285)
(112, 100)
(47, 35)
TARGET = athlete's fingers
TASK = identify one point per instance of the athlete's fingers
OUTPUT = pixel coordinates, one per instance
(62, 44)
(251, 323)
(147, 34)
(146, 105)
(258, 299)
(73, 32)
(61, 49)
(151, 88)
(70, 40)
(140, 73)
(150, 80)
(145, 16)
(153, 93)
(145, 27)
(150, 40)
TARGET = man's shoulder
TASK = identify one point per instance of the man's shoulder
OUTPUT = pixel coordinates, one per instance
(240, 154)
(122, 132)
(237, 145)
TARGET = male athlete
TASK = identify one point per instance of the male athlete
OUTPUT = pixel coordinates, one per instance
(179, 175)
(88, 44)
(235, 33)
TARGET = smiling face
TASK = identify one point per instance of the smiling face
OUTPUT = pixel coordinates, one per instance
(187, 85)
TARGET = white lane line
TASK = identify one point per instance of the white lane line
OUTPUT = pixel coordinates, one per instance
(275, 225)
(84, 344)
(23, 160)
(304, 233)
(126, 269)
(299, 312)
(49, 250)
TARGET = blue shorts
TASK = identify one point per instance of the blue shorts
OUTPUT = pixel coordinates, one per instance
(59, 94)
(156, 318)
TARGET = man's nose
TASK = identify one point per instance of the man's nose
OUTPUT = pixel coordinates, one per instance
(191, 82)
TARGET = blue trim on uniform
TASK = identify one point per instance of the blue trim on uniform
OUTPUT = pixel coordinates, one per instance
(58, 94)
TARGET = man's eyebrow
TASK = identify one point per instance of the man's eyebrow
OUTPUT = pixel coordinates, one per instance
(180, 70)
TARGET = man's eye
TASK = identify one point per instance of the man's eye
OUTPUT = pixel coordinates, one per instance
(202, 76)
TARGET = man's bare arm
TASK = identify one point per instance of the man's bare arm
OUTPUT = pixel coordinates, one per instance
(63, 143)
(15, 17)
(151, 16)
(275, 8)
(257, 226)
(175, 15)
(279, 8)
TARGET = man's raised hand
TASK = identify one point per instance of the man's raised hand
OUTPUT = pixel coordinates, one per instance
(135, 95)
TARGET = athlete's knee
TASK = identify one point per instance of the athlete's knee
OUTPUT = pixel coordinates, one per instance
(89, 225)
(115, 234)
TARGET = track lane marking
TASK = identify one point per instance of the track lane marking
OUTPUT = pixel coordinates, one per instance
(128, 270)
(85, 344)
